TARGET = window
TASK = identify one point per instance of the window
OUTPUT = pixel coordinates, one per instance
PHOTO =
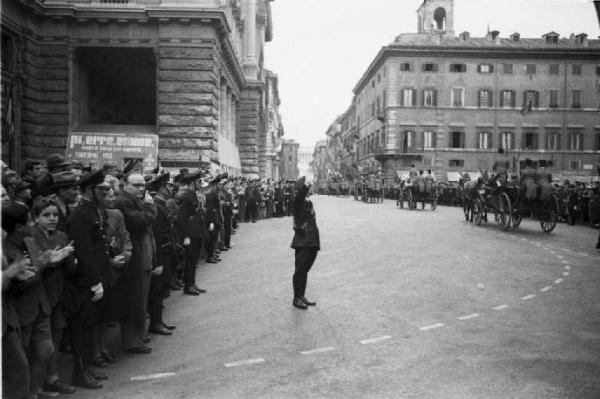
(485, 68)
(575, 98)
(373, 83)
(429, 140)
(507, 69)
(373, 109)
(506, 140)
(407, 141)
(384, 71)
(457, 140)
(531, 99)
(551, 39)
(456, 163)
(378, 78)
(576, 140)
(553, 140)
(545, 163)
(484, 140)
(530, 141)
(507, 99)
(530, 69)
(576, 69)
(406, 67)
(458, 68)
(485, 98)
(408, 97)
(430, 67)
(574, 165)
(458, 97)
(378, 106)
(554, 69)
(430, 98)
(384, 98)
(553, 100)
(290, 158)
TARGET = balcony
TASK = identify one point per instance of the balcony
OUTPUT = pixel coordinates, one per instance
(397, 152)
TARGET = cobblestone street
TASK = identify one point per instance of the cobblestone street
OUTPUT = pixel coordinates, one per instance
(411, 304)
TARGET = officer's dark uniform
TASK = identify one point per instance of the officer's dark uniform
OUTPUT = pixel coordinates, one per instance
(214, 216)
(306, 242)
(278, 198)
(227, 217)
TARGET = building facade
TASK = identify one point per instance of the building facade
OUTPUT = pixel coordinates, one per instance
(305, 157)
(190, 73)
(289, 160)
(449, 103)
(270, 148)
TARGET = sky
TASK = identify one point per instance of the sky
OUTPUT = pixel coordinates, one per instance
(321, 48)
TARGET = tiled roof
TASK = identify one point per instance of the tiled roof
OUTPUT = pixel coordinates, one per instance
(425, 39)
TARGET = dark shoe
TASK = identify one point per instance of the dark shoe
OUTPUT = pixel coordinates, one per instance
(299, 304)
(99, 361)
(217, 251)
(109, 357)
(307, 302)
(146, 338)
(168, 326)
(86, 381)
(140, 350)
(190, 291)
(212, 260)
(59, 387)
(200, 290)
(160, 330)
(97, 375)
(174, 286)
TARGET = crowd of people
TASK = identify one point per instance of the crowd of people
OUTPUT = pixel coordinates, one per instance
(86, 250)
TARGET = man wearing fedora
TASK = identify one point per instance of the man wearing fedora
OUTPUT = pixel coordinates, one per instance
(306, 242)
(54, 164)
(66, 192)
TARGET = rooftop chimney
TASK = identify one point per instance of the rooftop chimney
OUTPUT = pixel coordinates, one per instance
(515, 37)
(465, 35)
(582, 39)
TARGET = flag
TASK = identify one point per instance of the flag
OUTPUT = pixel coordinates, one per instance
(527, 107)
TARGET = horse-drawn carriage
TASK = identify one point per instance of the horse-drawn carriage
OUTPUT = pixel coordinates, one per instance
(420, 189)
(481, 198)
(534, 197)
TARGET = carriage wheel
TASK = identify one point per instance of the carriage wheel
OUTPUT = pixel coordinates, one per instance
(517, 218)
(477, 210)
(505, 214)
(549, 216)
(412, 204)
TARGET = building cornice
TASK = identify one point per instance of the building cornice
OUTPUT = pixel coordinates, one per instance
(500, 53)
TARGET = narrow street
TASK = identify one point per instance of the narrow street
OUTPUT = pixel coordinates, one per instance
(411, 304)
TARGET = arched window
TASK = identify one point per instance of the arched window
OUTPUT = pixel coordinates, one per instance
(439, 15)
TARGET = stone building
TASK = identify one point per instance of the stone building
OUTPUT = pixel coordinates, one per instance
(271, 138)
(448, 102)
(189, 73)
(321, 164)
(305, 157)
(289, 160)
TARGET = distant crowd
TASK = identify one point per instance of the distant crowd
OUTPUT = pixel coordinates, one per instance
(86, 250)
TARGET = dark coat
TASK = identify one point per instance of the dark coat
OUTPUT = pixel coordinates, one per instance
(119, 242)
(28, 297)
(139, 218)
(252, 195)
(10, 317)
(213, 208)
(306, 232)
(190, 217)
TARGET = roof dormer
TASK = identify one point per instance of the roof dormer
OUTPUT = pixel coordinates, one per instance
(582, 39)
(515, 37)
(551, 37)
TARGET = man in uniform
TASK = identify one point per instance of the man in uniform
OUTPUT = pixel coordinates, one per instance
(214, 219)
(306, 242)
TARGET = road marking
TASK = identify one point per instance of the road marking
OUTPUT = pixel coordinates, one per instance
(567, 267)
(248, 362)
(566, 273)
(567, 249)
(431, 327)
(547, 288)
(528, 297)
(501, 307)
(583, 254)
(469, 317)
(523, 239)
(565, 262)
(373, 340)
(318, 350)
(558, 281)
(151, 376)
(560, 257)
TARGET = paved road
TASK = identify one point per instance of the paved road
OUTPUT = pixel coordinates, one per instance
(411, 304)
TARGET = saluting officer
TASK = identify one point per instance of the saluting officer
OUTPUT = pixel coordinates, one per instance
(306, 242)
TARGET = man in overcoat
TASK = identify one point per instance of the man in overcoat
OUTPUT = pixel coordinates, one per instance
(306, 242)
(139, 212)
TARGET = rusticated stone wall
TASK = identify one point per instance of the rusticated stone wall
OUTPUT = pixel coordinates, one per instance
(188, 102)
(248, 127)
(45, 98)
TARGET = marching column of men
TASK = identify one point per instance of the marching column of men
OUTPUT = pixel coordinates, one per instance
(83, 250)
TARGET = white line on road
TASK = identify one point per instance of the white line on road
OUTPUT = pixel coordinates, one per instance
(567, 249)
(546, 288)
(318, 350)
(565, 262)
(248, 362)
(431, 327)
(373, 340)
(151, 376)
(528, 297)
(469, 317)
(558, 281)
(566, 273)
(560, 257)
(567, 267)
(501, 307)
(583, 254)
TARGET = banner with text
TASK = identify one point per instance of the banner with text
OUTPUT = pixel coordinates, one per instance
(100, 148)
